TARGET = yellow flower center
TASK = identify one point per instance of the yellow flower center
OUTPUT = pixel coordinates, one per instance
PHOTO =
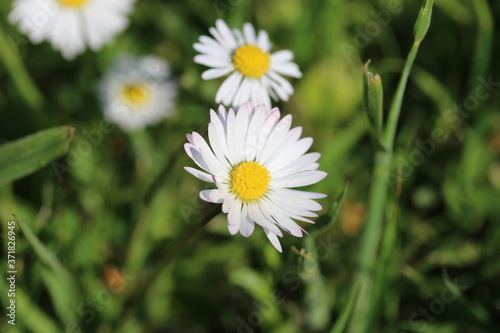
(73, 3)
(251, 61)
(250, 180)
(135, 93)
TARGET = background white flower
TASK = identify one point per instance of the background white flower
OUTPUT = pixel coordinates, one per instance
(255, 159)
(137, 92)
(71, 25)
(256, 75)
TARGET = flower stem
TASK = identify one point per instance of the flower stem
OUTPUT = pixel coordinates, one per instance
(395, 109)
(140, 289)
(372, 233)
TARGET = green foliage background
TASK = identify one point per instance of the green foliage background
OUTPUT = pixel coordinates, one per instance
(100, 221)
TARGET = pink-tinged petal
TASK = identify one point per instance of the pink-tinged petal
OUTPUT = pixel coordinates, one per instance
(247, 225)
(200, 174)
(300, 164)
(234, 214)
(214, 196)
(222, 114)
(233, 229)
(255, 212)
(229, 202)
(274, 240)
(218, 143)
(289, 154)
(195, 155)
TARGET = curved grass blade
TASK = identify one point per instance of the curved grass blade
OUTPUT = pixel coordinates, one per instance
(27, 155)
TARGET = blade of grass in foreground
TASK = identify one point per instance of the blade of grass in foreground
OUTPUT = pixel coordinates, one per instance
(25, 156)
(372, 233)
(347, 311)
(59, 282)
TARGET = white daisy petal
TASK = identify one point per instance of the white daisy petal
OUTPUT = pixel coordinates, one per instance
(288, 69)
(282, 56)
(274, 240)
(263, 42)
(211, 61)
(200, 174)
(228, 89)
(228, 203)
(214, 196)
(226, 33)
(249, 33)
(215, 73)
(253, 158)
(300, 164)
(234, 218)
(300, 179)
(255, 213)
(247, 225)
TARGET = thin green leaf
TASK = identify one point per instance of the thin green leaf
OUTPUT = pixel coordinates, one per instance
(25, 156)
(326, 221)
(29, 313)
(59, 282)
(347, 311)
(318, 300)
(387, 262)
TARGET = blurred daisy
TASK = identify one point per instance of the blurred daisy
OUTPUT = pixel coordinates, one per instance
(137, 92)
(70, 25)
(255, 73)
(255, 159)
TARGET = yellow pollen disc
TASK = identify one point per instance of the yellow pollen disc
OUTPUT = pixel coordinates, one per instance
(73, 3)
(135, 94)
(251, 61)
(250, 180)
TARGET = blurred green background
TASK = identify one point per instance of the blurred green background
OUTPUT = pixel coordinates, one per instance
(106, 217)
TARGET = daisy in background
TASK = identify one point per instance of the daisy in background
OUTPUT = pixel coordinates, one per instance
(255, 160)
(255, 74)
(137, 92)
(71, 25)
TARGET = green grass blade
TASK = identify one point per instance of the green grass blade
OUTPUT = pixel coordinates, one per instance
(28, 313)
(386, 268)
(484, 41)
(341, 323)
(326, 221)
(318, 298)
(25, 156)
(58, 280)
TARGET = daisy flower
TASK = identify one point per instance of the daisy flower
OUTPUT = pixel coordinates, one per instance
(255, 74)
(71, 25)
(255, 160)
(137, 92)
